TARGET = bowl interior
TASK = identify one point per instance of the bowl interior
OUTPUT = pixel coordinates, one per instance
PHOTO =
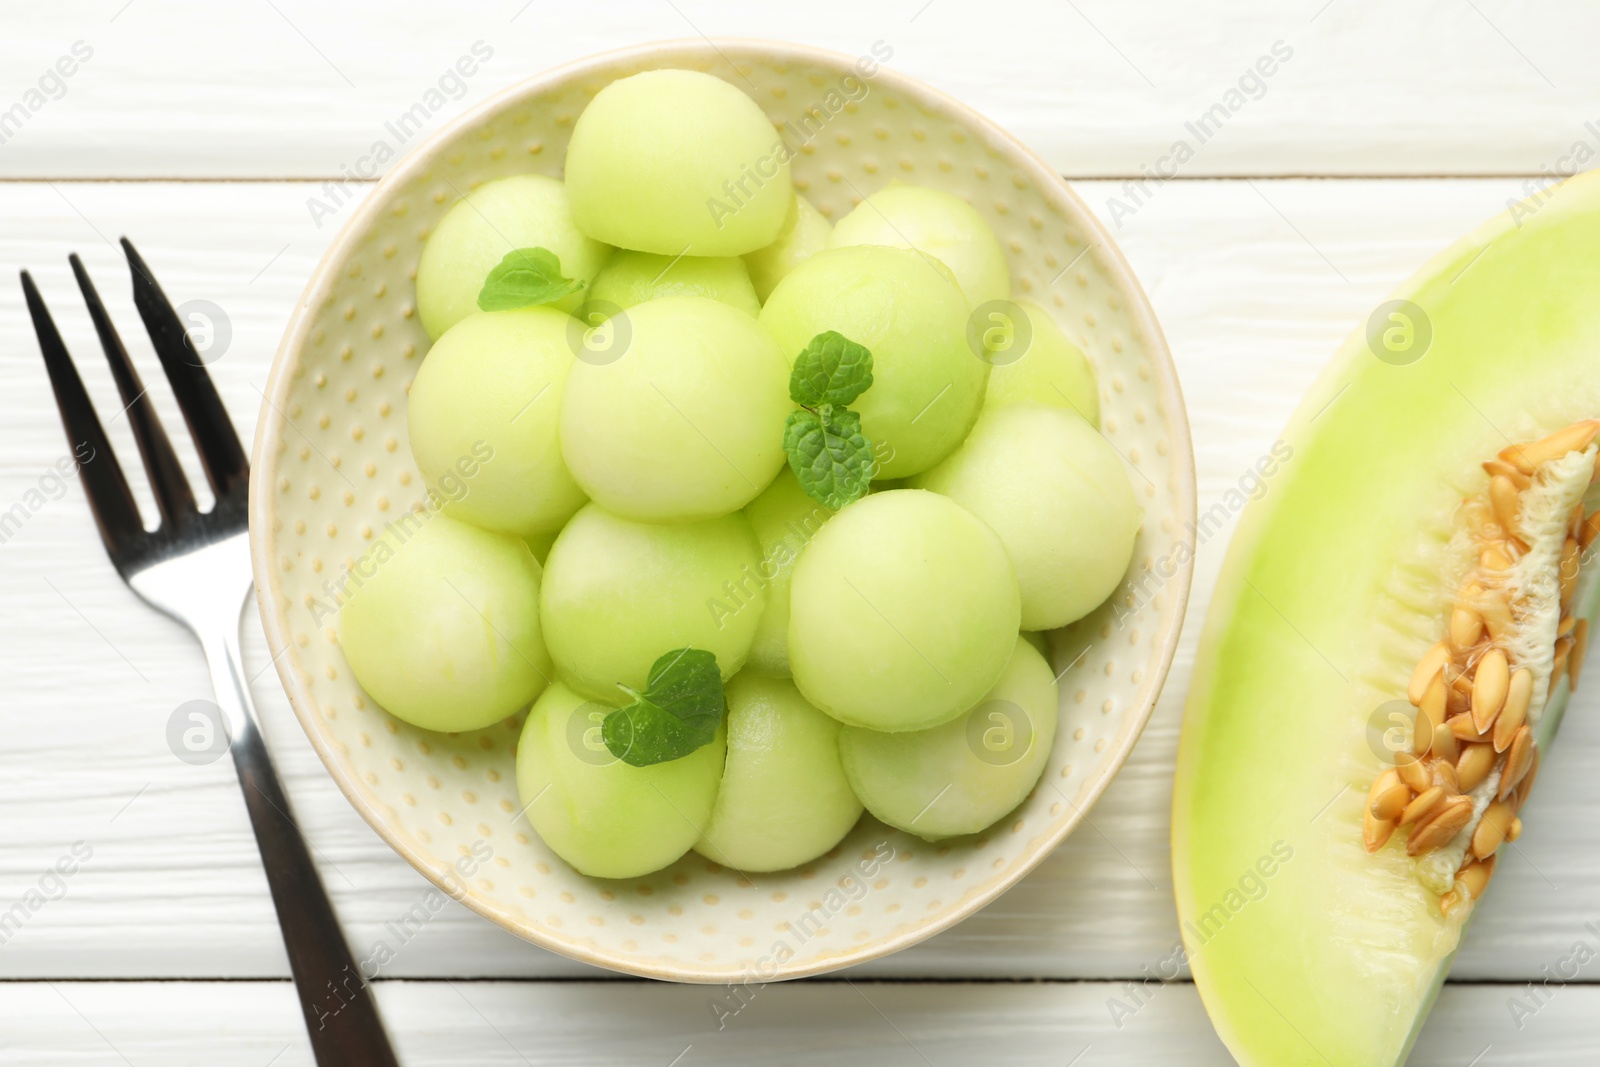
(332, 466)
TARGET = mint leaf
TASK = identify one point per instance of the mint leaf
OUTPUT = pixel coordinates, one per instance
(524, 278)
(679, 711)
(829, 455)
(831, 369)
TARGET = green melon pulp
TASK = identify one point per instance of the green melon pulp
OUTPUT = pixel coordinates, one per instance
(1305, 948)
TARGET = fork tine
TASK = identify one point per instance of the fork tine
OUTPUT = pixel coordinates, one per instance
(227, 467)
(115, 511)
(173, 496)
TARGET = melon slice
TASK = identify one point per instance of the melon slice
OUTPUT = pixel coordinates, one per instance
(1395, 632)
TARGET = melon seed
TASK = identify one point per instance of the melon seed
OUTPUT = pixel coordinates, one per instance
(1515, 711)
(1505, 502)
(1475, 875)
(1413, 772)
(1489, 687)
(1492, 828)
(1474, 766)
(1575, 438)
(1437, 831)
(1500, 468)
(1375, 831)
(1423, 805)
(1388, 796)
(1433, 661)
(1466, 626)
(1518, 760)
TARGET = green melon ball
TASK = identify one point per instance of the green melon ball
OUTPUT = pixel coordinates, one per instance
(618, 594)
(631, 278)
(687, 422)
(927, 385)
(785, 520)
(675, 162)
(938, 223)
(784, 798)
(1056, 493)
(804, 234)
(442, 624)
(493, 220)
(902, 612)
(482, 414)
(1050, 370)
(604, 817)
(965, 775)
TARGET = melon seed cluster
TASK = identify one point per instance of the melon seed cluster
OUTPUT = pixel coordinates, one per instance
(1472, 696)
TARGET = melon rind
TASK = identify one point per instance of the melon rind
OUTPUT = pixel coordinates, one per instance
(1331, 591)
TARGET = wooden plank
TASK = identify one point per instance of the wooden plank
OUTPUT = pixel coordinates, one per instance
(180, 88)
(1256, 284)
(595, 1024)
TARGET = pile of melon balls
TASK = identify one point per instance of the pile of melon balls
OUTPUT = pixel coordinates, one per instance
(731, 641)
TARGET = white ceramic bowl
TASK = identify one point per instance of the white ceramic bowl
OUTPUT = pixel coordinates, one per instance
(332, 465)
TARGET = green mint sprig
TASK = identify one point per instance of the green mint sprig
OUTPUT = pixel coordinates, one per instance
(524, 278)
(679, 711)
(830, 456)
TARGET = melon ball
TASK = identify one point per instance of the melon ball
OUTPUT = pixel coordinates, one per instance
(804, 234)
(631, 278)
(481, 229)
(1050, 369)
(442, 623)
(617, 595)
(606, 818)
(482, 414)
(937, 223)
(902, 612)
(784, 798)
(785, 520)
(1056, 493)
(967, 774)
(687, 422)
(675, 162)
(927, 385)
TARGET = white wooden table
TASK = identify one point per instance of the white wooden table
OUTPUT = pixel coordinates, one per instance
(202, 130)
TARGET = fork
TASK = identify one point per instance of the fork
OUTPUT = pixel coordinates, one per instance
(195, 567)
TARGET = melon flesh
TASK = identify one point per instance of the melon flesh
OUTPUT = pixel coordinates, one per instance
(1304, 947)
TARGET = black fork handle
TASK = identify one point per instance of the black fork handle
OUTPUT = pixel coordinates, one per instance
(341, 1014)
